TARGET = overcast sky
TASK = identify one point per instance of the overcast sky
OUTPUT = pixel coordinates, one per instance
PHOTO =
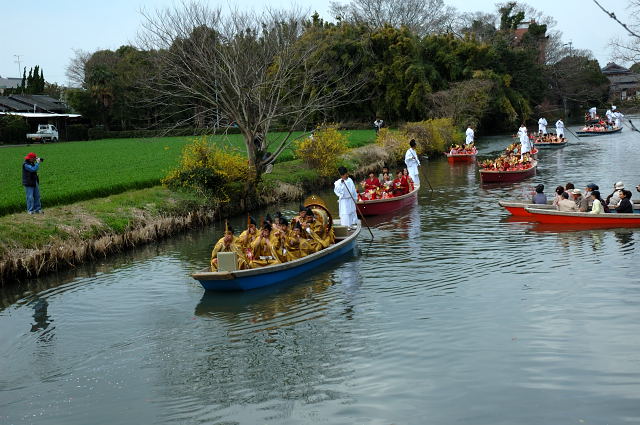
(65, 25)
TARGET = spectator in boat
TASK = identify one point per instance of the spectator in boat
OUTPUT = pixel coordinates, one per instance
(566, 204)
(542, 125)
(560, 128)
(228, 243)
(625, 205)
(539, 198)
(587, 192)
(405, 174)
(614, 198)
(558, 197)
(599, 206)
(345, 190)
(582, 204)
(469, 135)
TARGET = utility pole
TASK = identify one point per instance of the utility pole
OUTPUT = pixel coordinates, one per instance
(18, 62)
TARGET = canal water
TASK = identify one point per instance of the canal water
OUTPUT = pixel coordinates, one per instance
(454, 313)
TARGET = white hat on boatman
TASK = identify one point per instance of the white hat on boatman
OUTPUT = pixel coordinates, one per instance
(576, 191)
(613, 107)
(619, 185)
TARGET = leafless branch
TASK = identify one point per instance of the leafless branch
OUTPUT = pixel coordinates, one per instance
(615, 18)
(255, 70)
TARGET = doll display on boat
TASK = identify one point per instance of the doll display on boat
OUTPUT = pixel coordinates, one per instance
(509, 167)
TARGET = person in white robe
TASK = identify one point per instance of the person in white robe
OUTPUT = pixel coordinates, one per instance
(470, 135)
(592, 112)
(618, 117)
(560, 128)
(525, 142)
(412, 162)
(542, 125)
(346, 192)
(609, 115)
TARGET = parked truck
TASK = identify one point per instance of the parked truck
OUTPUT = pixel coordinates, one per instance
(45, 133)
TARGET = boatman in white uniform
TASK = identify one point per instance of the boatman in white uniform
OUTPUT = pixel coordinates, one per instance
(470, 135)
(592, 112)
(412, 161)
(618, 116)
(345, 190)
(560, 128)
(609, 115)
(542, 125)
(525, 143)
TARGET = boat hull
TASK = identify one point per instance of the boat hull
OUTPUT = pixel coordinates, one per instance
(518, 209)
(491, 176)
(245, 280)
(610, 220)
(597, 133)
(551, 145)
(455, 157)
(387, 206)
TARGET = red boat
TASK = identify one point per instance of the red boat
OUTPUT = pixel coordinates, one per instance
(462, 157)
(512, 176)
(518, 209)
(388, 205)
(583, 218)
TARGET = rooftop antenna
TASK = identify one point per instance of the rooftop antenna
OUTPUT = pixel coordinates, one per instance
(18, 62)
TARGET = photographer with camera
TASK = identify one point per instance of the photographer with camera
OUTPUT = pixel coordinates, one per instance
(31, 182)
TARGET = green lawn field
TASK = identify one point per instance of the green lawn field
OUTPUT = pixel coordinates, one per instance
(76, 171)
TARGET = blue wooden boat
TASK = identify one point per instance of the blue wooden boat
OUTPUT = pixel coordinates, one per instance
(544, 145)
(244, 280)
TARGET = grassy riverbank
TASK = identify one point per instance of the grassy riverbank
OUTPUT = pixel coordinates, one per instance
(80, 171)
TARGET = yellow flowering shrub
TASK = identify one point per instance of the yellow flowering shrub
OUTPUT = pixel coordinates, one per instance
(432, 136)
(209, 170)
(322, 151)
(393, 143)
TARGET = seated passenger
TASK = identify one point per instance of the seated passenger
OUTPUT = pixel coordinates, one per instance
(405, 174)
(279, 239)
(625, 205)
(582, 204)
(263, 251)
(539, 197)
(558, 197)
(565, 204)
(228, 243)
(599, 206)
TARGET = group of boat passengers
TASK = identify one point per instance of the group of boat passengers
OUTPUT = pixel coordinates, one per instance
(568, 198)
(277, 240)
(383, 187)
(613, 117)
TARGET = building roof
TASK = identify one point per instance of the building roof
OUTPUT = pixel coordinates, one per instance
(40, 115)
(27, 102)
(10, 104)
(10, 83)
(614, 68)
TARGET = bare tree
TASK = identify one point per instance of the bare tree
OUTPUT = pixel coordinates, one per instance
(627, 50)
(421, 16)
(254, 70)
(76, 68)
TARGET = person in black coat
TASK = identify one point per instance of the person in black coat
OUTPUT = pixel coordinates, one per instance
(625, 202)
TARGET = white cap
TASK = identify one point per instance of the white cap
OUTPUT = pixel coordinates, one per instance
(619, 185)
